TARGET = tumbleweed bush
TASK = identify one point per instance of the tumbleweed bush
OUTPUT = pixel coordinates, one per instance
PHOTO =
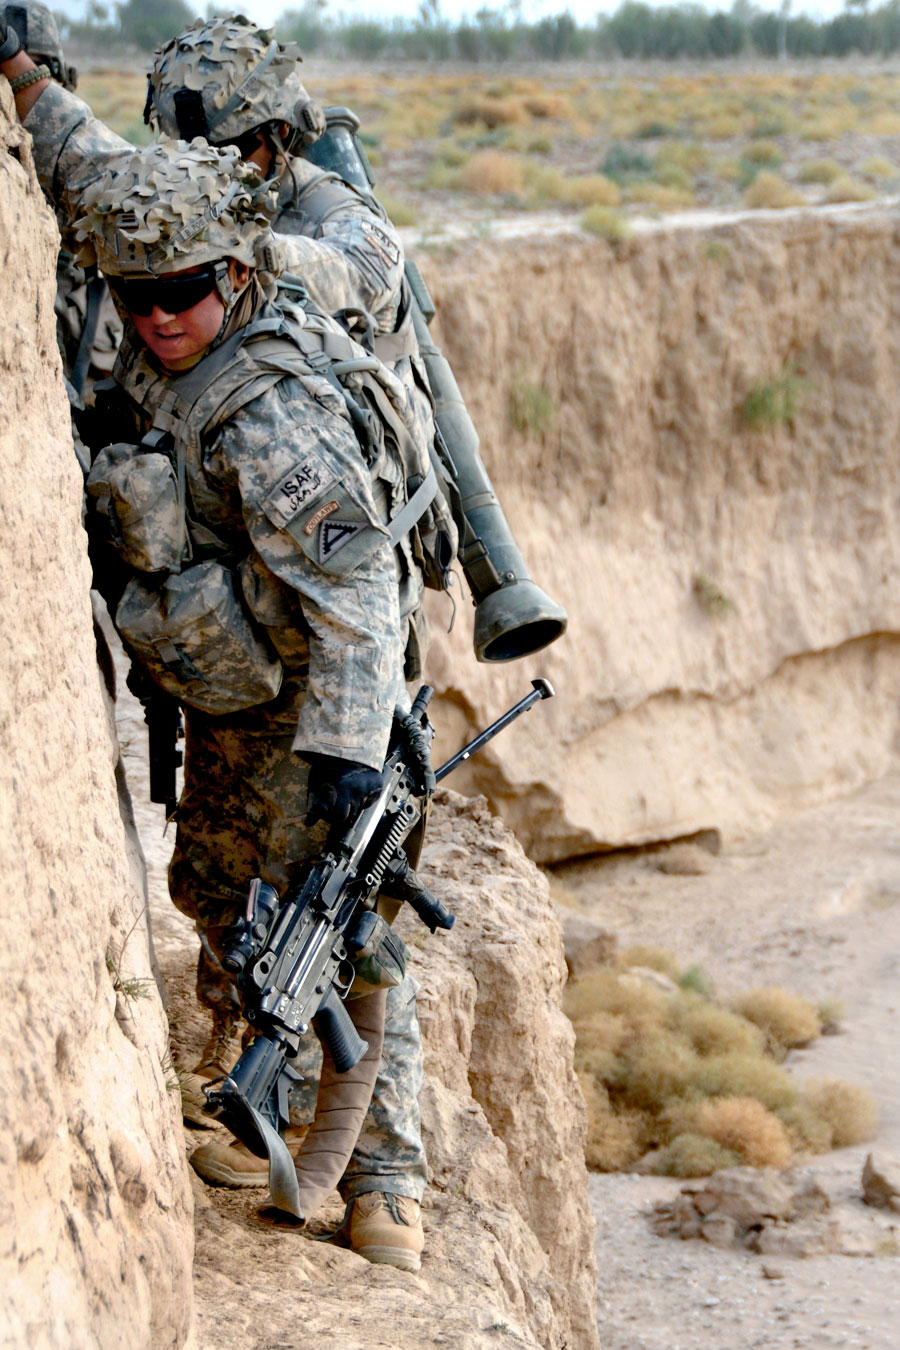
(677, 1083)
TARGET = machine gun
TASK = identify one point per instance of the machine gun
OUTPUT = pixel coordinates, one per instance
(295, 957)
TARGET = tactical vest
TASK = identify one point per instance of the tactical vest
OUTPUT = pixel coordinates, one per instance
(183, 610)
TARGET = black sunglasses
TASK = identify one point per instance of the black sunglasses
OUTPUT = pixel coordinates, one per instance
(172, 295)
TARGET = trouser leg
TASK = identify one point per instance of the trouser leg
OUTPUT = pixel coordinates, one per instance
(241, 816)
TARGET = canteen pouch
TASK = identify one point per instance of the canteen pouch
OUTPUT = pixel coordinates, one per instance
(379, 955)
(138, 493)
(193, 636)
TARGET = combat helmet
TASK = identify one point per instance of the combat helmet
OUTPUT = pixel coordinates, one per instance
(225, 79)
(171, 206)
(39, 36)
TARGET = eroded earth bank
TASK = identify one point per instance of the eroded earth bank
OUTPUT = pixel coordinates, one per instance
(732, 655)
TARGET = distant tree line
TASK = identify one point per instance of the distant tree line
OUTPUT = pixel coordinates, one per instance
(635, 30)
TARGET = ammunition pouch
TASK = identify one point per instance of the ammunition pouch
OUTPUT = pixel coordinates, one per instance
(379, 955)
(138, 494)
(196, 640)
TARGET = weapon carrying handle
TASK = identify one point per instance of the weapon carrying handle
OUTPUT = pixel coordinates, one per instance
(335, 1029)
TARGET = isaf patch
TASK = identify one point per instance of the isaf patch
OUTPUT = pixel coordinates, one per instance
(381, 241)
(302, 485)
(334, 534)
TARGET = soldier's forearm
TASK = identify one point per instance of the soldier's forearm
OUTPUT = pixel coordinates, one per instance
(26, 98)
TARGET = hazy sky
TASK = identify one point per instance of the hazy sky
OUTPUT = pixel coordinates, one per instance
(266, 11)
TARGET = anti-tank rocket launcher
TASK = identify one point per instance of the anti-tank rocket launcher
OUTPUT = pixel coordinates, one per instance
(513, 616)
(295, 957)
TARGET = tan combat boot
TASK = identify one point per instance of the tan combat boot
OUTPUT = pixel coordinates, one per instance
(219, 1057)
(387, 1229)
(232, 1164)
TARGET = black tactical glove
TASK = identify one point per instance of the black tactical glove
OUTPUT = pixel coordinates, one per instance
(416, 743)
(9, 41)
(338, 790)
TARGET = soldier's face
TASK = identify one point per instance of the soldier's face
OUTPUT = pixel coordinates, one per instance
(178, 339)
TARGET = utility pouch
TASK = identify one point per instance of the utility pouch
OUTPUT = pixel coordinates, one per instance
(379, 955)
(138, 493)
(193, 636)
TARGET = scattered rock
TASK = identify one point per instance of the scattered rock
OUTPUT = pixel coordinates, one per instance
(635, 976)
(587, 943)
(881, 1182)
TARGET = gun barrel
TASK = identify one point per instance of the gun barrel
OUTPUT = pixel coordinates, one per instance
(541, 689)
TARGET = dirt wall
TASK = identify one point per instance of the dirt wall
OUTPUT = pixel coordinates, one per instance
(96, 1211)
(733, 590)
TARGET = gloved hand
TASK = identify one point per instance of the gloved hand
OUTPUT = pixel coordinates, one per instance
(338, 789)
(9, 41)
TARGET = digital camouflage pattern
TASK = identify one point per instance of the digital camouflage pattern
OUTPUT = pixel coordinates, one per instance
(243, 76)
(244, 801)
(345, 252)
(39, 36)
(241, 815)
(294, 439)
(173, 205)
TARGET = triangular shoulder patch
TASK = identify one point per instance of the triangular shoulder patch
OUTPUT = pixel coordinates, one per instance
(334, 534)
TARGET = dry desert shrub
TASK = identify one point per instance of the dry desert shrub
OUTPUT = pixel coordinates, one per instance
(657, 1068)
(657, 958)
(763, 152)
(602, 990)
(687, 1085)
(739, 1074)
(884, 124)
(850, 1110)
(606, 222)
(849, 189)
(769, 190)
(659, 197)
(744, 1126)
(401, 213)
(786, 1019)
(807, 1131)
(593, 189)
(713, 1030)
(492, 173)
(688, 156)
(819, 171)
(491, 112)
(615, 1139)
(877, 166)
(530, 408)
(695, 1155)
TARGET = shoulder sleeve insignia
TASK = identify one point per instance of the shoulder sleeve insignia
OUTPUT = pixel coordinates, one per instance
(334, 534)
(297, 489)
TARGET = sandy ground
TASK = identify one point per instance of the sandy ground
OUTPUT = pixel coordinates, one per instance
(813, 905)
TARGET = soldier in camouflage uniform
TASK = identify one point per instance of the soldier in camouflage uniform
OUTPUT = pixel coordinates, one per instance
(385, 1179)
(243, 89)
(88, 327)
(335, 612)
(349, 258)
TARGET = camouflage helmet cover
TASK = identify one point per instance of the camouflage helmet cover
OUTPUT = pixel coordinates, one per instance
(40, 38)
(223, 77)
(172, 205)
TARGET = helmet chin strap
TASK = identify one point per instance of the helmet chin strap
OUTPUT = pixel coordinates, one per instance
(224, 284)
(281, 149)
